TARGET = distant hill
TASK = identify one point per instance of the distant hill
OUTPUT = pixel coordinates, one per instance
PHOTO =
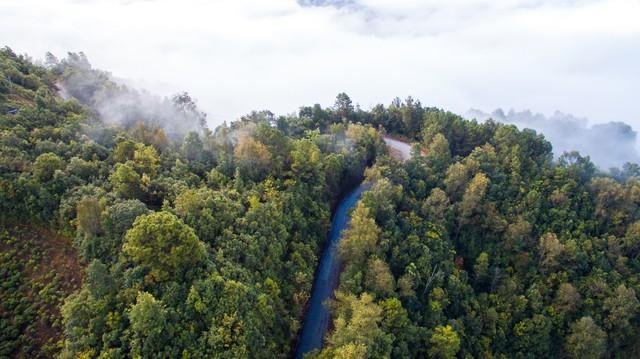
(608, 145)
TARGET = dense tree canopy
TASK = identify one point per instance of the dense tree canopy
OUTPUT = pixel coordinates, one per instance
(196, 243)
(492, 248)
(203, 243)
(163, 245)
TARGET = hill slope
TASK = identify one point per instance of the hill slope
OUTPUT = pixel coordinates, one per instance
(203, 243)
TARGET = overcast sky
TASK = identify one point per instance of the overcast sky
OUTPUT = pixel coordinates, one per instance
(581, 57)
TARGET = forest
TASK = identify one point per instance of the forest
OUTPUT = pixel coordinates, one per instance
(130, 229)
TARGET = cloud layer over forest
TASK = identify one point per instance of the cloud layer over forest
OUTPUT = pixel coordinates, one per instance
(236, 56)
(608, 144)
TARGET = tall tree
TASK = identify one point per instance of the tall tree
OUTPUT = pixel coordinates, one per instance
(360, 239)
(126, 181)
(45, 166)
(164, 245)
(444, 342)
(343, 107)
(88, 214)
(586, 340)
(148, 318)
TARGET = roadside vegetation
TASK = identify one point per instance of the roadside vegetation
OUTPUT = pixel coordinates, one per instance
(131, 229)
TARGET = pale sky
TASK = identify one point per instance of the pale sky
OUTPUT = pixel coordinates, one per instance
(580, 57)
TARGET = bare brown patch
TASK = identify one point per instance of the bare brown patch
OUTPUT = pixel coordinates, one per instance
(55, 259)
(62, 258)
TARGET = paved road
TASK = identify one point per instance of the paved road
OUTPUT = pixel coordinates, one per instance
(403, 148)
(316, 320)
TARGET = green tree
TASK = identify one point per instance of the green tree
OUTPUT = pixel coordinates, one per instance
(395, 317)
(146, 159)
(343, 106)
(533, 336)
(458, 176)
(632, 239)
(580, 167)
(357, 320)
(621, 307)
(192, 147)
(81, 334)
(45, 166)
(411, 112)
(444, 343)
(99, 282)
(379, 277)
(351, 351)
(435, 206)
(89, 211)
(360, 239)
(83, 169)
(568, 299)
(124, 151)
(119, 217)
(126, 181)
(481, 267)
(306, 162)
(438, 154)
(148, 318)
(474, 195)
(164, 245)
(586, 340)
(550, 249)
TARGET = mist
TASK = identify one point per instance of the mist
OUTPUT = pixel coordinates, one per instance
(237, 56)
(119, 104)
(610, 144)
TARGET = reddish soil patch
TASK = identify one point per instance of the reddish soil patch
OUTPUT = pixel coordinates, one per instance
(59, 257)
(57, 264)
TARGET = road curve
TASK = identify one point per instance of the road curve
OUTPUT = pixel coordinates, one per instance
(318, 316)
(402, 149)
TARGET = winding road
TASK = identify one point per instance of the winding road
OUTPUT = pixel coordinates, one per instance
(318, 316)
(316, 321)
(400, 149)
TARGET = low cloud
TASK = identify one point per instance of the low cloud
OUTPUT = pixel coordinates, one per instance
(118, 104)
(235, 56)
(608, 145)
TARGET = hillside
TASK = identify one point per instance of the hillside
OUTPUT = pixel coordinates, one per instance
(196, 242)
(39, 270)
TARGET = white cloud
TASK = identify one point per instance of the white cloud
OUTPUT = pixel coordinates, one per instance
(238, 55)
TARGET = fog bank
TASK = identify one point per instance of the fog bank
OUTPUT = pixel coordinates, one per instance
(239, 55)
(608, 144)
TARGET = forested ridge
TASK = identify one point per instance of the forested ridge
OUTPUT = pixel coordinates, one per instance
(199, 243)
